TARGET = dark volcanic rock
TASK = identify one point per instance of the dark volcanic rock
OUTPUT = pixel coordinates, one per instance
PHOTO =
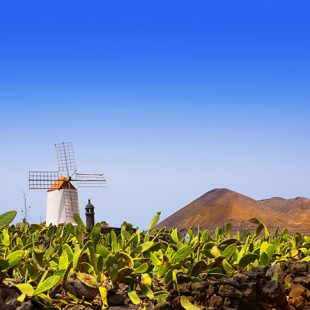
(298, 267)
(164, 306)
(251, 290)
(116, 299)
(227, 290)
(216, 301)
(199, 286)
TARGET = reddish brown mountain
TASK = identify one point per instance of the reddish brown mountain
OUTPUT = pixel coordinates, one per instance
(221, 206)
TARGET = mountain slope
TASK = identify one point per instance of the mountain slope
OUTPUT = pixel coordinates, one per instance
(220, 206)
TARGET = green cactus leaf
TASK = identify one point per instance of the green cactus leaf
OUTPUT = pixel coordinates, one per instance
(229, 269)
(259, 229)
(216, 270)
(175, 235)
(104, 297)
(14, 258)
(205, 236)
(5, 238)
(270, 251)
(141, 268)
(154, 221)
(255, 221)
(124, 259)
(76, 256)
(60, 273)
(146, 279)
(33, 271)
(146, 291)
(264, 259)
(95, 233)
(143, 247)
(135, 299)
(7, 218)
(215, 251)
(305, 251)
(229, 251)
(161, 296)
(123, 274)
(25, 288)
(63, 261)
(4, 264)
(182, 253)
(114, 242)
(155, 260)
(263, 248)
(198, 267)
(46, 285)
(118, 265)
(247, 259)
(87, 279)
(187, 305)
(79, 222)
(102, 250)
(68, 249)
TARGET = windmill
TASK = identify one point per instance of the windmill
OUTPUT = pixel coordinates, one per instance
(62, 195)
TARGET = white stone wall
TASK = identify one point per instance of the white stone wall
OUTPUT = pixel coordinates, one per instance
(61, 204)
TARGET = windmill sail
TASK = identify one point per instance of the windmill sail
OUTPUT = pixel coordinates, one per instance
(90, 179)
(42, 179)
(65, 158)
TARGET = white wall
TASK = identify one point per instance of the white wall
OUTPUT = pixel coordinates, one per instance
(57, 203)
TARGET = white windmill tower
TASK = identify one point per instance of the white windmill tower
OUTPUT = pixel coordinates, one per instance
(62, 195)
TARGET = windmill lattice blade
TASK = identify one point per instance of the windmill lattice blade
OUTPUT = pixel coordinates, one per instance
(42, 179)
(90, 179)
(65, 158)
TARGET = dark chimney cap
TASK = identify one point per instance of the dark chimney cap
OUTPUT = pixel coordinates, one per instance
(89, 205)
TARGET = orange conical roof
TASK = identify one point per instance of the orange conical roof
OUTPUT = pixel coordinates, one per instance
(61, 183)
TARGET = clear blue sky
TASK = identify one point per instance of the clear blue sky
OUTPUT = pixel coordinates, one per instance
(168, 98)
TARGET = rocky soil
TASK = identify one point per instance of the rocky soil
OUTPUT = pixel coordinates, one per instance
(277, 287)
(285, 287)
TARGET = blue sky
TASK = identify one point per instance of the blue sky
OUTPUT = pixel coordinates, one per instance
(168, 98)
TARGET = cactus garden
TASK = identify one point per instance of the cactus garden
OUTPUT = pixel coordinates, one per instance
(68, 267)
